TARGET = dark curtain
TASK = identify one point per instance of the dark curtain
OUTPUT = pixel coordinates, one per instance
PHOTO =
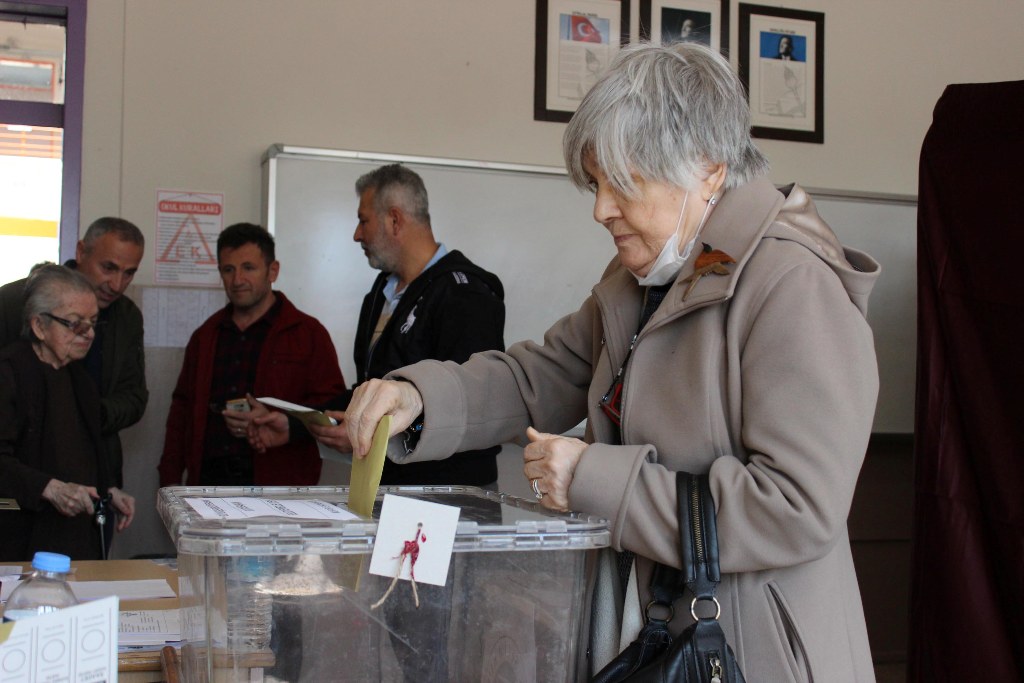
(967, 590)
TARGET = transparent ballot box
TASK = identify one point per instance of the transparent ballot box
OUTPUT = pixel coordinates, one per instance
(288, 599)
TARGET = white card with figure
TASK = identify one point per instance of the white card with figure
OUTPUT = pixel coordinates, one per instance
(414, 538)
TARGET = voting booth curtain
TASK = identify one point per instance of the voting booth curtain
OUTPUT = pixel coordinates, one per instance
(967, 589)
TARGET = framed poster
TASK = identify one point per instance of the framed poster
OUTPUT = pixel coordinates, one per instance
(782, 63)
(664, 22)
(576, 41)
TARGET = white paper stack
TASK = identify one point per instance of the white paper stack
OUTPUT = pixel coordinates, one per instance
(135, 589)
(144, 628)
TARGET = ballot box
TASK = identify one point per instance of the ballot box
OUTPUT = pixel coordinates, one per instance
(285, 598)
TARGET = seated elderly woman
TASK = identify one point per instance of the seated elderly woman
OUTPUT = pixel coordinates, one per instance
(727, 337)
(50, 457)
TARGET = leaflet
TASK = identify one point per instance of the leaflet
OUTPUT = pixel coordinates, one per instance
(76, 644)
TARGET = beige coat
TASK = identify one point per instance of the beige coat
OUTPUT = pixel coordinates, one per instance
(765, 377)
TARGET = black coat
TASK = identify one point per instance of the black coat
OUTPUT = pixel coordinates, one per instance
(451, 311)
(30, 440)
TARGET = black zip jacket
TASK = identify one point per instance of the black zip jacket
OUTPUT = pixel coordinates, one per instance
(451, 311)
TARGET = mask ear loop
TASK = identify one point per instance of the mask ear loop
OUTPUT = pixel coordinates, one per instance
(707, 212)
(679, 221)
(688, 249)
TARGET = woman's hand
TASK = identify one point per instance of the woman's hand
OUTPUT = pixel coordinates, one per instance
(549, 463)
(373, 400)
(125, 505)
(70, 499)
(336, 436)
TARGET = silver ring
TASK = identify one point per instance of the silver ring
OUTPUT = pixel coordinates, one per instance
(536, 491)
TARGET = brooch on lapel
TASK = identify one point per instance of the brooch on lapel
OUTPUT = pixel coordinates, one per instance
(708, 261)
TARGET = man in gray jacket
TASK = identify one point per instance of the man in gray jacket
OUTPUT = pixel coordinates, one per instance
(108, 256)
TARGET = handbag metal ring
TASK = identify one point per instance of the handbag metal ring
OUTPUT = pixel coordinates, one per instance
(693, 607)
(654, 603)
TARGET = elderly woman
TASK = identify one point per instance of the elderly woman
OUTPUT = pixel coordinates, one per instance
(50, 456)
(727, 337)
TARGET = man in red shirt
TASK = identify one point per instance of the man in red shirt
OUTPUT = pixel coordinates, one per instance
(260, 344)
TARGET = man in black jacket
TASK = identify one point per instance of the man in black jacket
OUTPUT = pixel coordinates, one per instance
(427, 303)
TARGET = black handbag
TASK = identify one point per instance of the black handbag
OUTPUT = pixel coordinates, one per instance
(700, 654)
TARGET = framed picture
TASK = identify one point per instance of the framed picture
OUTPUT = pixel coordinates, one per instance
(576, 40)
(782, 63)
(664, 22)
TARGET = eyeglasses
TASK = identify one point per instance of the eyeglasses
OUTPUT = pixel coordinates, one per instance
(79, 327)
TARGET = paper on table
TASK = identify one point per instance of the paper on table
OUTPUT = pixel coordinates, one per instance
(10, 577)
(75, 644)
(139, 589)
(308, 416)
(367, 471)
(149, 627)
(249, 507)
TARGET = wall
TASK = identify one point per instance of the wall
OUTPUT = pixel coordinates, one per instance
(186, 94)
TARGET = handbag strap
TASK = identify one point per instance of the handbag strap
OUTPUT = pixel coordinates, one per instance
(698, 534)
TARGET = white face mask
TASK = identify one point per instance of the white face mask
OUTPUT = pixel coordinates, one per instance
(670, 261)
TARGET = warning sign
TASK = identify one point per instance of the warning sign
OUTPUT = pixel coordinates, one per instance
(187, 225)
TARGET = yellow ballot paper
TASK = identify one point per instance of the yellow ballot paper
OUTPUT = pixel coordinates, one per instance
(366, 472)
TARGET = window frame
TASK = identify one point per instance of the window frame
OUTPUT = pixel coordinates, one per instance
(67, 116)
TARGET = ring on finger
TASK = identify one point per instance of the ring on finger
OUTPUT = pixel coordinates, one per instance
(536, 490)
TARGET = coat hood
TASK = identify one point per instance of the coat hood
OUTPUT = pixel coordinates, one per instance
(798, 220)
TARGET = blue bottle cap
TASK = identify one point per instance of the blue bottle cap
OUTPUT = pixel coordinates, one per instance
(51, 562)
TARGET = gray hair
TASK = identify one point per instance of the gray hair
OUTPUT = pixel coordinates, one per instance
(45, 289)
(396, 185)
(125, 231)
(665, 114)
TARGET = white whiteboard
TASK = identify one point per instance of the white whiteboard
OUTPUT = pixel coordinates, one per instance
(886, 229)
(526, 224)
(529, 226)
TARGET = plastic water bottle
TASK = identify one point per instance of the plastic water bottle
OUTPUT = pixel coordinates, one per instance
(250, 605)
(45, 591)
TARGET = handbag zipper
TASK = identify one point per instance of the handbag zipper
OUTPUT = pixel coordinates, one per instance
(715, 665)
(698, 537)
